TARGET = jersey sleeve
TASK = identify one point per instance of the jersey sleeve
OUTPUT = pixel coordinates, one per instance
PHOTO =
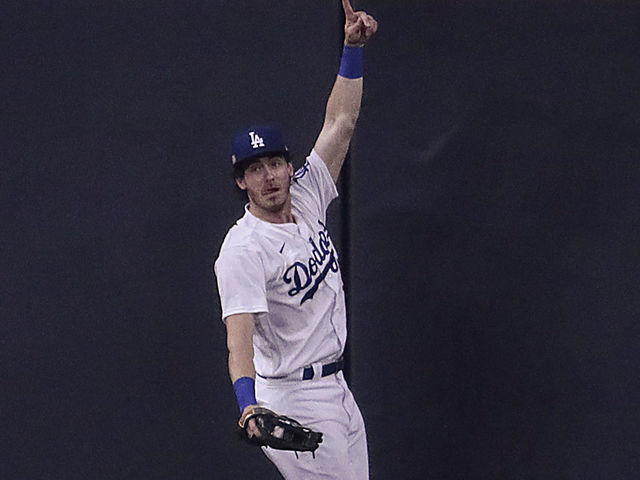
(314, 184)
(241, 282)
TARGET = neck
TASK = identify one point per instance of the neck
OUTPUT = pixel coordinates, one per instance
(282, 215)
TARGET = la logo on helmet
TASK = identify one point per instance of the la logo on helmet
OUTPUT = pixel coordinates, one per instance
(256, 140)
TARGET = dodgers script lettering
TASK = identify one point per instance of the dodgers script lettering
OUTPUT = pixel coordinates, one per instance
(310, 274)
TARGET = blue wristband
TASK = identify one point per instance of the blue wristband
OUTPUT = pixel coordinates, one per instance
(245, 392)
(351, 63)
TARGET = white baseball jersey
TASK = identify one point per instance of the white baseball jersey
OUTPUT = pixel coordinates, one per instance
(288, 276)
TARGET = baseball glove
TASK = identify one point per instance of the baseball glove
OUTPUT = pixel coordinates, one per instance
(279, 432)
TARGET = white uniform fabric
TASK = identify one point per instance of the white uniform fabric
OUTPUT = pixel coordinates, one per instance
(288, 276)
(325, 405)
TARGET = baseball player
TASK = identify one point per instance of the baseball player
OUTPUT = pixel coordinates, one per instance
(280, 285)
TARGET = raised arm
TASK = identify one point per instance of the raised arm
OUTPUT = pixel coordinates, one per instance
(343, 106)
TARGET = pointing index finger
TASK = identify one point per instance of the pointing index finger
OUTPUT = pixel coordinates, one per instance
(348, 10)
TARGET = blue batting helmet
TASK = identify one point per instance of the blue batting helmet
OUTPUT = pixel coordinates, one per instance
(258, 141)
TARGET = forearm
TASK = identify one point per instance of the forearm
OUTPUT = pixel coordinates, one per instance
(241, 364)
(240, 329)
(343, 106)
(341, 115)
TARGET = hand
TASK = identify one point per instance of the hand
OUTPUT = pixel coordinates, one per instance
(251, 428)
(359, 27)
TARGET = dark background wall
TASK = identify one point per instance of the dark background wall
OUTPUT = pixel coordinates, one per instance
(491, 232)
(495, 247)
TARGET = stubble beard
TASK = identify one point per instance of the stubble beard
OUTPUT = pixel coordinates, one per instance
(273, 205)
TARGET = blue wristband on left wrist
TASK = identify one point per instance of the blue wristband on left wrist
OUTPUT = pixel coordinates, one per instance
(245, 392)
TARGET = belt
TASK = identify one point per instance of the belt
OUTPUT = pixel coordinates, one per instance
(328, 369)
(308, 372)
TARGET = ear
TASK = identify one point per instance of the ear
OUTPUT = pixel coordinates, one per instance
(240, 183)
(290, 169)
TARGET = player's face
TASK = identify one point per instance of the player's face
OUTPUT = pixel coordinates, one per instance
(267, 182)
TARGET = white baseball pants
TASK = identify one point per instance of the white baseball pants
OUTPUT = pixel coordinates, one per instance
(326, 405)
